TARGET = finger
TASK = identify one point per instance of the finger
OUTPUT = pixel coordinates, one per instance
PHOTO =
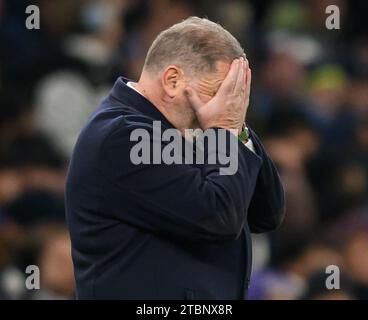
(246, 72)
(248, 82)
(229, 82)
(239, 85)
(194, 100)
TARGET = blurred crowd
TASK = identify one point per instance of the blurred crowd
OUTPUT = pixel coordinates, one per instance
(309, 104)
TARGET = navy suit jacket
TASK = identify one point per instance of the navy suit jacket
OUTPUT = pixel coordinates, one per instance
(160, 231)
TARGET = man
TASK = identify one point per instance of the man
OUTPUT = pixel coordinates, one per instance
(178, 231)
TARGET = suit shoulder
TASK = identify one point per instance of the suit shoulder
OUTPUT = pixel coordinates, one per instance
(113, 117)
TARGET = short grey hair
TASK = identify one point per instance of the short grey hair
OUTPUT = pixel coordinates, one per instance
(195, 44)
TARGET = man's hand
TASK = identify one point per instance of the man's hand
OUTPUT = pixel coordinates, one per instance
(228, 108)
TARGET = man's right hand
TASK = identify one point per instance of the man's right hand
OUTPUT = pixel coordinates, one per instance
(228, 108)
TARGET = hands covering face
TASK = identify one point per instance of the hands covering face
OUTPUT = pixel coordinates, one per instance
(228, 108)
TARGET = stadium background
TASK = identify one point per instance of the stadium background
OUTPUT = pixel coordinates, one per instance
(309, 104)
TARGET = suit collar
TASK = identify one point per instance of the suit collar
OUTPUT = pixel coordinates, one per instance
(128, 96)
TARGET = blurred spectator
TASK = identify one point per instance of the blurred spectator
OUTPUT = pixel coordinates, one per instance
(317, 289)
(142, 22)
(47, 246)
(54, 260)
(357, 262)
(273, 285)
(309, 103)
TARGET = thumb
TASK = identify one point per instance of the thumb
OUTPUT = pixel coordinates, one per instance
(193, 98)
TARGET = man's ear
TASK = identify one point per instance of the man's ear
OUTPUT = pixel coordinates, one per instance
(171, 79)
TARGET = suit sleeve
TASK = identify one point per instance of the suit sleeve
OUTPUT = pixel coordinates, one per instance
(183, 201)
(267, 207)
